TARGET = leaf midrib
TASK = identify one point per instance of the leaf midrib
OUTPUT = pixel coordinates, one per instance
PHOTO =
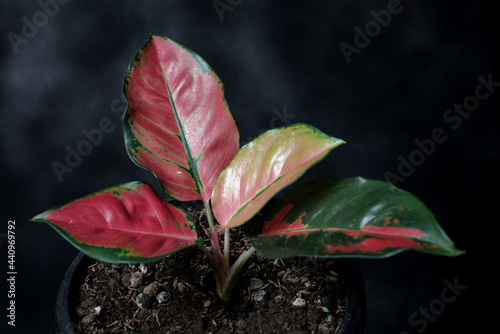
(337, 229)
(183, 237)
(193, 163)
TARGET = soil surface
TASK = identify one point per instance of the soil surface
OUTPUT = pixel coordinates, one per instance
(177, 295)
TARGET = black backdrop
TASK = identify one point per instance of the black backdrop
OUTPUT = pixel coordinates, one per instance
(382, 91)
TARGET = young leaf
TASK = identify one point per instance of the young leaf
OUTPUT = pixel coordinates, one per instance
(263, 167)
(126, 223)
(177, 123)
(350, 217)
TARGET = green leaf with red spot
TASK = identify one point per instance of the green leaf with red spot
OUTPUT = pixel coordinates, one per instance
(126, 223)
(354, 217)
(263, 167)
(177, 123)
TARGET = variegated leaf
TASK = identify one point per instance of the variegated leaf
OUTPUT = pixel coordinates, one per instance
(263, 167)
(178, 124)
(126, 223)
(352, 217)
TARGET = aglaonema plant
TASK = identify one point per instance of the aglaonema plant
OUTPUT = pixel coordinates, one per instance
(178, 126)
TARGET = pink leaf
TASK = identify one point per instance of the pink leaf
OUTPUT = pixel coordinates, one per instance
(177, 123)
(263, 167)
(127, 223)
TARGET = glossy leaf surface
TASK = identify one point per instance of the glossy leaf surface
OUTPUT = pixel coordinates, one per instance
(263, 167)
(350, 217)
(177, 123)
(126, 223)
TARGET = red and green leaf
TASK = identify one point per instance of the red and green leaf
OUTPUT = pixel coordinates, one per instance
(263, 167)
(177, 123)
(126, 223)
(354, 217)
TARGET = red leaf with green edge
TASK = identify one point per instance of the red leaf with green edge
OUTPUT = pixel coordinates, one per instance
(354, 217)
(177, 123)
(263, 167)
(126, 223)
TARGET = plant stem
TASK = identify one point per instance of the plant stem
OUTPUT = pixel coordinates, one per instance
(227, 244)
(225, 274)
(209, 255)
(210, 218)
(225, 288)
(218, 258)
(218, 274)
(214, 239)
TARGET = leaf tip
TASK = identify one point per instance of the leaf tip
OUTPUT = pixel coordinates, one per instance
(335, 142)
(452, 251)
(40, 218)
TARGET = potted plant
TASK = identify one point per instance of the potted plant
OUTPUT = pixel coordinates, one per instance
(179, 126)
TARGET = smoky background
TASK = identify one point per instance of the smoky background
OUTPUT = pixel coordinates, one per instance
(61, 71)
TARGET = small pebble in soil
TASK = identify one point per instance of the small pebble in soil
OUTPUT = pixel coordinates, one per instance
(325, 328)
(259, 296)
(136, 279)
(255, 284)
(207, 303)
(162, 297)
(279, 299)
(143, 268)
(299, 302)
(126, 279)
(87, 319)
(152, 289)
(142, 300)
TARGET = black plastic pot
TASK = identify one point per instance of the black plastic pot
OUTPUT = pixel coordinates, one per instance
(355, 314)
(68, 293)
(67, 323)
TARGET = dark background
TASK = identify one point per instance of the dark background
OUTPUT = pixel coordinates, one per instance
(271, 55)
